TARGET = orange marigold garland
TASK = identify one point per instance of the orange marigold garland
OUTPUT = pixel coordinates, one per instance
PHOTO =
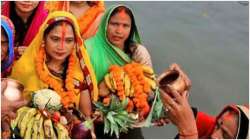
(141, 86)
(136, 75)
(67, 96)
(117, 73)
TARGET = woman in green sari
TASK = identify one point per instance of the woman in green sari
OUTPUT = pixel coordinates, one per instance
(116, 42)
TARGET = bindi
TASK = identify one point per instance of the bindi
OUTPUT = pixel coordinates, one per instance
(123, 14)
(63, 34)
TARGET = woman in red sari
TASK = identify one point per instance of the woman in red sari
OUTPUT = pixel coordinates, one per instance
(27, 17)
(231, 123)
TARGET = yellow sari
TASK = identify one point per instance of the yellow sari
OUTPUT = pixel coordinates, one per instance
(26, 72)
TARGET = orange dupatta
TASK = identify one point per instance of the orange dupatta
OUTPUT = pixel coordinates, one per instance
(88, 22)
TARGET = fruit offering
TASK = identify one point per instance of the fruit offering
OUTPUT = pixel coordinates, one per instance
(128, 96)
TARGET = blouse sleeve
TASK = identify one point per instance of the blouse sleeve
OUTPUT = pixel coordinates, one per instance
(142, 56)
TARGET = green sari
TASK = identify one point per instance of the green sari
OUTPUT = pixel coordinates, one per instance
(102, 53)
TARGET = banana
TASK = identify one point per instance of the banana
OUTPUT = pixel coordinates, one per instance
(151, 82)
(62, 132)
(23, 113)
(112, 81)
(147, 69)
(123, 74)
(127, 85)
(151, 76)
(108, 82)
(29, 128)
(132, 91)
(19, 112)
(48, 129)
(35, 125)
(41, 131)
(40, 134)
(23, 125)
(22, 109)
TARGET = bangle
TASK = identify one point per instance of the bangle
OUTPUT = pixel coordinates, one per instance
(188, 135)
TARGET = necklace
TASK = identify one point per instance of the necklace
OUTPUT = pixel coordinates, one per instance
(66, 92)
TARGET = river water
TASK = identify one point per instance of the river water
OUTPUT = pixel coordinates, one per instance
(210, 40)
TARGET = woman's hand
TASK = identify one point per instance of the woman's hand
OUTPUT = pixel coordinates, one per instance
(9, 108)
(85, 104)
(180, 112)
(21, 49)
(161, 122)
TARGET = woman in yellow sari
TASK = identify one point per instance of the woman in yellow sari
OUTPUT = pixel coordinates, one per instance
(56, 59)
(88, 14)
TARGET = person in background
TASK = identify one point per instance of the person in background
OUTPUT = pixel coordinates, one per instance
(231, 123)
(7, 58)
(27, 17)
(7, 46)
(88, 14)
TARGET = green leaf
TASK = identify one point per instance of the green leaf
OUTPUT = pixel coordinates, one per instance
(122, 117)
(148, 120)
(124, 129)
(124, 112)
(110, 117)
(116, 118)
(119, 122)
(99, 105)
(157, 108)
(116, 130)
(106, 126)
(111, 129)
(113, 103)
(125, 103)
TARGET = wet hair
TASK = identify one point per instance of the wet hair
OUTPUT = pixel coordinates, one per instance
(129, 42)
(57, 23)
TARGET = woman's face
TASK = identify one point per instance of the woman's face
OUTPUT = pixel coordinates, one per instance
(26, 6)
(4, 46)
(119, 28)
(226, 126)
(59, 42)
